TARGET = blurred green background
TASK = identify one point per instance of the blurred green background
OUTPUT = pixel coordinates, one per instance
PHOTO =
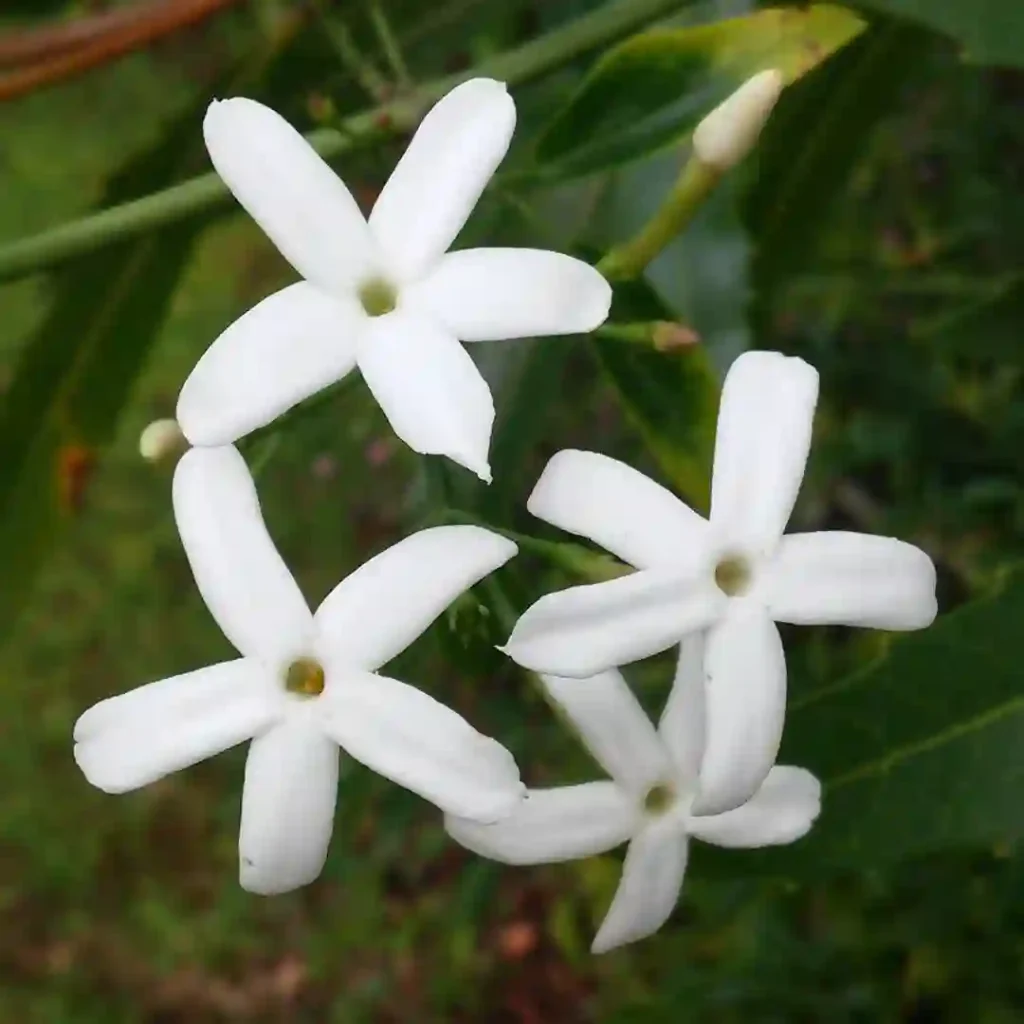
(878, 232)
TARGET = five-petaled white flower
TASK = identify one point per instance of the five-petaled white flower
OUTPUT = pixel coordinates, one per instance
(305, 684)
(735, 575)
(650, 803)
(383, 293)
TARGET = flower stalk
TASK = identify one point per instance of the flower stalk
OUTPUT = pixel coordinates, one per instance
(693, 186)
(207, 193)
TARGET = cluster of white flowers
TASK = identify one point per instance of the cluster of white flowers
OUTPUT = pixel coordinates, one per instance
(384, 294)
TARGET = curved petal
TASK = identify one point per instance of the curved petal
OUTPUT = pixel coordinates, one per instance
(853, 579)
(412, 739)
(620, 509)
(390, 600)
(494, 294)
(764, 436)
(429, 388)
(243, 580)
(781, 811)
(289, 346)
(585, 630)
(683, 722)
(129, 741)
(291, 787)
(652, 878)
(283, 184)
(552, 825)
(614, 727)
(436, 184)
(745, 695)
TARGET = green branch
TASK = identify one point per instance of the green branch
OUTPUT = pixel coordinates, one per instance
(206, 193)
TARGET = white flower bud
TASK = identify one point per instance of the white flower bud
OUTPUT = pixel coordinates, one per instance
(730, 131)
(162, 440)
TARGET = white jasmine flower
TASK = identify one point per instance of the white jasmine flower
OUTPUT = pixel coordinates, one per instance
(731, 130)
(649, 803)
(736, 575)
(305, 683)
(383, 294)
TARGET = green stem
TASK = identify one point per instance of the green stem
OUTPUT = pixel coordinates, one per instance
(694, 185)
(207, 193)
(389, 44)
(362, 69)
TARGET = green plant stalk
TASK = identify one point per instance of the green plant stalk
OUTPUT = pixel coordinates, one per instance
(207, 192)
(695, 183)
(389, 44)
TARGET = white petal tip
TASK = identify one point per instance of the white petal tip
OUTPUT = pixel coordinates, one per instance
(731, 130)
(92, 768)
(604, 944)
(484, 85)
(251, 881)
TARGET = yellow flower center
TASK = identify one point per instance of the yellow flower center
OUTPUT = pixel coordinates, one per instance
(660, 797)
(732, 574)
(304, 677)
(377, 297)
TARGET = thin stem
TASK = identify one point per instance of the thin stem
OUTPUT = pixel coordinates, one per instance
(694, 185)
(207, 193)
(389, 44)
(362, 69)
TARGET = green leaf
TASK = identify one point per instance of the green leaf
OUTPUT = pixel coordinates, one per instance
(921, 750)
(670, 397)
(989, 31)
(987, 329)
(78, 369)
(814, 140)
(646, 93)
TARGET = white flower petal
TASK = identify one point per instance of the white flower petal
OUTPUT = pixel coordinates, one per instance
(615, 729)
(412, 739)
(745, 696)
(620, 509)
(652, 878)
(781, 811)
(291, 787)
(584, 630)
(126, 742)
(291, 345)
(494, 294)
(682, 726)
(390, 600)
(429, 388)
(436, 184)
(294, 196)
(243, 580)
(851, 578)
(552, 825)
(764, 436)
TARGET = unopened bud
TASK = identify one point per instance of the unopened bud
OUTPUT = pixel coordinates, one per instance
(730, 131)
(161, 441)
(668, 336)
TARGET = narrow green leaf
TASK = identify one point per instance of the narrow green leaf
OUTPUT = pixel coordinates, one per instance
(984, 330)
(813, 142)
(989, 31)
(651, 90)
(78, 369)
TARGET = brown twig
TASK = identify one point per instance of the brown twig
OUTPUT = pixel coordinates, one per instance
(89, 46)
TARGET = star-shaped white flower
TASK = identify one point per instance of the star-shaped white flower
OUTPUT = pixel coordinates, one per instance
(305, 684)
(649, 803)
(384, 294)
(735, 575)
